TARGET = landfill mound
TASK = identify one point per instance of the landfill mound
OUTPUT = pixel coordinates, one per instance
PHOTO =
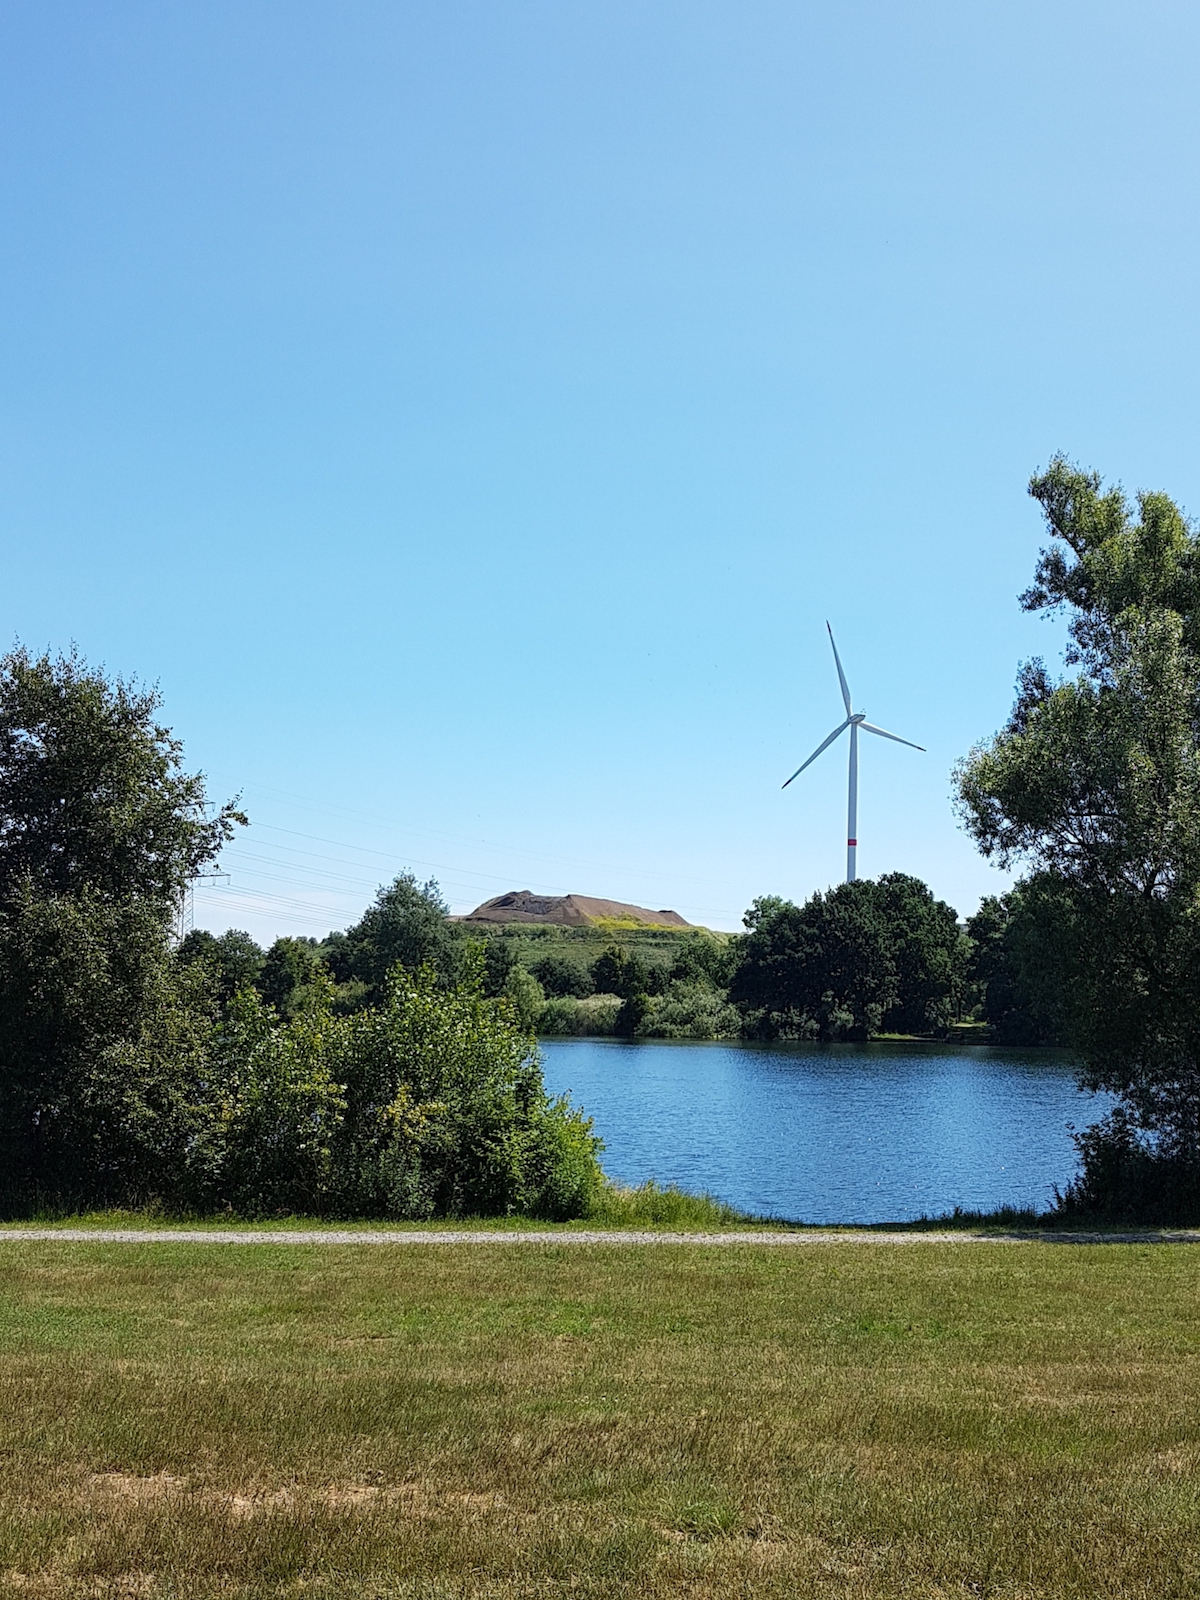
(570, 911)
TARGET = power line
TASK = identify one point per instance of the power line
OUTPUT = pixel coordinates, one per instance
(325, 809)
(461, 873)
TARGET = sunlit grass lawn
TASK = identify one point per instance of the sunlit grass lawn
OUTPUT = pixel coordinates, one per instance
(860, 1420)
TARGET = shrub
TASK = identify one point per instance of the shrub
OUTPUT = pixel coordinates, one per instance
(562, 977)
(526, 997)
(617, 971)
(447, 1114)
(691, 1011)
(593, 1017)
(1126, 1178)
(430, 1104)
(291, 965)
(272, 1110)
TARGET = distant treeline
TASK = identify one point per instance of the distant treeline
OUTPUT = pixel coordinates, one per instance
(864, 959)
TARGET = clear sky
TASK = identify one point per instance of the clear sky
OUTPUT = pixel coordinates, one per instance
(469, 414)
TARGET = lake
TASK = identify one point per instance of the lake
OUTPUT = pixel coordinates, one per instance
(831, 1133)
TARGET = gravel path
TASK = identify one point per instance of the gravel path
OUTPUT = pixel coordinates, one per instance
(813, 1236)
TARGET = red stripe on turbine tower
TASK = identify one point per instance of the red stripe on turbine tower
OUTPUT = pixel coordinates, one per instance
(854, 842)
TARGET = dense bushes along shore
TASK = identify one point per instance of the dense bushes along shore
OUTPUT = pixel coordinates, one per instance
(131, 1072)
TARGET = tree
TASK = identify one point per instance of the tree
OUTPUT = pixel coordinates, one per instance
(563, 978)
(100, 1028)
(526, 996)
(822, 970)
(499, 962)
(233, 957)
(929, 951)
(290, 967)
(620, 972)
(1013, 965)
(702, 959)
(1094, 784)
(93, 795)
(407, 925)
(866, 957)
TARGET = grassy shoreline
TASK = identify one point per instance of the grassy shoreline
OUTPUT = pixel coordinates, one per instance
(702, 1216)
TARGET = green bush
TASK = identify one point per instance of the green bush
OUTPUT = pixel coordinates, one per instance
(595, 1016)
(526, 997)
(429, 1104)
(270, 1112)
(1125, 1178)
(563, 978)
(690, 1011)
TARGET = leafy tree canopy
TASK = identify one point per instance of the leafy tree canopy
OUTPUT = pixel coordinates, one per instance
(704, 960)
(562, 977)
(100, 830)
(621, 972)
(407, 926)
(233, 957)
(1013, 964)
(865, 957)
(1094, 784)
(290, 966)
(93, 795)
(823, 969)
(929, 951)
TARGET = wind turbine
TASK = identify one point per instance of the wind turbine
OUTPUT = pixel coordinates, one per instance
(854, 721)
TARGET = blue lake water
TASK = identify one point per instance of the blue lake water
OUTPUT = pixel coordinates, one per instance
(831, 1133)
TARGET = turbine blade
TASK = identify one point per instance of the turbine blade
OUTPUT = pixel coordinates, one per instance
(869, 727)
(823, 746)
(841, 675)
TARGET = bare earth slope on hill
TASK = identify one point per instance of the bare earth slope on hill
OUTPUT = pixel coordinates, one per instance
(570, 911)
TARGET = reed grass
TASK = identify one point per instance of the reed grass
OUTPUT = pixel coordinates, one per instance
(843, 1420)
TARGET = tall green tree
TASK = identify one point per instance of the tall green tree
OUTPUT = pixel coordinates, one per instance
(93, 795)
(1014, 964)
(622, 972)
(930, 952)
(290, 967)
(867, 957)
(1094, 786)
(560, 976)
(822, 970)
(407, 925)
(100, 830)
(233, 957)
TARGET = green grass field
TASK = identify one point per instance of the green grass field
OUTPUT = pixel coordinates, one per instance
(853, 1420)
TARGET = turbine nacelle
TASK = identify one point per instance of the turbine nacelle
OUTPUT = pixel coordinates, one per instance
(854, 721)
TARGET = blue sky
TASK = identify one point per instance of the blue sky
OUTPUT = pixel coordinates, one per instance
(470, 414)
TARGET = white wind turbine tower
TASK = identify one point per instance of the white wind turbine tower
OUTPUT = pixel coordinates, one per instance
(854, 721)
